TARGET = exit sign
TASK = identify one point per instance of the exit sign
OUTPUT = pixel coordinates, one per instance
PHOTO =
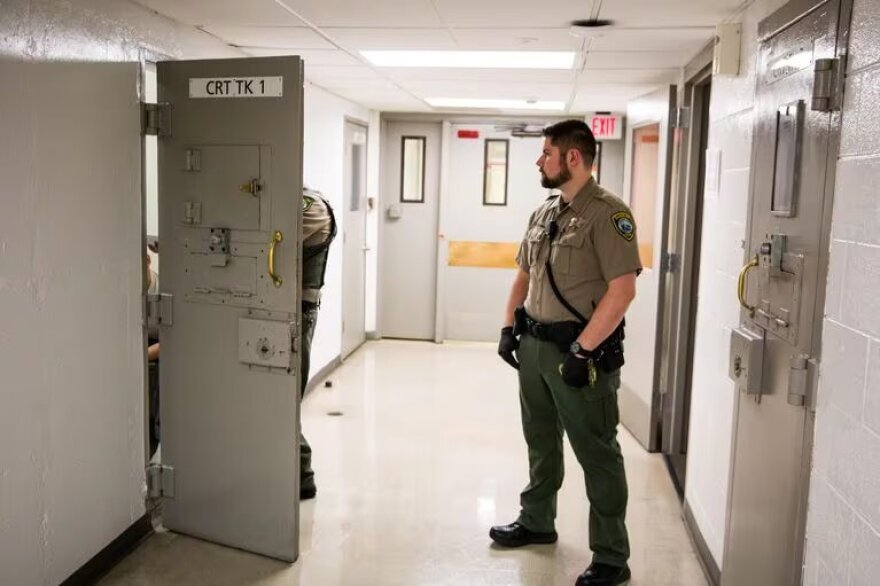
(606, 126)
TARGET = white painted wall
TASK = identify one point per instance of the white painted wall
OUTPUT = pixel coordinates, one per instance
(724, 221)
(322, 170)
(374, 141)
(611, 173)
(843, 529)
(71, 345)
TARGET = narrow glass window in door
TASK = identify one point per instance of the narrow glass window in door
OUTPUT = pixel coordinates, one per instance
(495, 172)
(412, 169)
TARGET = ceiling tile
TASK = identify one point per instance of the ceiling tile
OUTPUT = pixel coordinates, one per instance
(635, 60)
(360, 14)
(651, 13)
(309, 56)
(628, 76)
(494, 75)
(234, 12)
(490, 90)
(392, 38)
(283, 37)
(653, 39)
(519, 39)
(497, 14)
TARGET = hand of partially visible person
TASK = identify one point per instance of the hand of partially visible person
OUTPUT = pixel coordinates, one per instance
(153, 352)
(507, 345)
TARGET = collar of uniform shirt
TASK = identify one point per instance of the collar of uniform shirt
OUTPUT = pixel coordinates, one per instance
(580, 200)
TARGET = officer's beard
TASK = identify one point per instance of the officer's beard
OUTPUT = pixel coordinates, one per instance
(555, 182)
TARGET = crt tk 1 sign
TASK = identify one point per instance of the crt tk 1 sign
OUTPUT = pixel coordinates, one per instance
(606, 126)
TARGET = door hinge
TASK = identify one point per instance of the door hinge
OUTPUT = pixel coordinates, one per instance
(156, 119)
(670, 262)
(160, 309)
(826, 85)
(160, 481)
(683, 118)
(798, 380)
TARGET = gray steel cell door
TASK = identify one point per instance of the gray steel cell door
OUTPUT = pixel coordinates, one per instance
(409, 215)
(794, 156)
(230, 201)
(354, 236)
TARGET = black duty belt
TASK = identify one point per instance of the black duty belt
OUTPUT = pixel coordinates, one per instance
(560, 332)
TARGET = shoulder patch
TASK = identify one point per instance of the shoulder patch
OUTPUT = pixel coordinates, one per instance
(624, 224)
(308, 200)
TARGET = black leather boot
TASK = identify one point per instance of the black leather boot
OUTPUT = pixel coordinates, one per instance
(516, 535)
(603, 575)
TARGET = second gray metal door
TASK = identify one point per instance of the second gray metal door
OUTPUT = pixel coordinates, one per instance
(783, 290)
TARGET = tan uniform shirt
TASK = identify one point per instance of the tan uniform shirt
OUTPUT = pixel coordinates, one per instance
(316, 228)
(594, 244)
(316, 220)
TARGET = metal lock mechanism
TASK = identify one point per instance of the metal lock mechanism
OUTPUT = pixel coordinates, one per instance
(263, 342)
(747, 360)
(219, 247)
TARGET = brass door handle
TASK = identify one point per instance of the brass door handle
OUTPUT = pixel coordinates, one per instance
(276, 238)
(252, 187)
(741, 285)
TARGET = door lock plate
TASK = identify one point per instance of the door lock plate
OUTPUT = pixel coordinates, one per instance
(263, 342)
(747, 360)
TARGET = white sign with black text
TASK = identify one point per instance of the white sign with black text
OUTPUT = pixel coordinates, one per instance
(236, 87)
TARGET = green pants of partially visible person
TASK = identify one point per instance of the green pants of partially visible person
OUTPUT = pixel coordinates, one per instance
(309, 319)
(589, 416)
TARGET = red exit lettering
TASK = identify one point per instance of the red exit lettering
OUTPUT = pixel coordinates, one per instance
(604, 126)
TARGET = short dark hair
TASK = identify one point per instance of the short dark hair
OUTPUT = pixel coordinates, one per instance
(573, 134)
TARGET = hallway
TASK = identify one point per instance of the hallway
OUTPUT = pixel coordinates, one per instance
(418, 451)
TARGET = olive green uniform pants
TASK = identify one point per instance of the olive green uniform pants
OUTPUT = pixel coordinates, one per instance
(309, 319)
(589, 417)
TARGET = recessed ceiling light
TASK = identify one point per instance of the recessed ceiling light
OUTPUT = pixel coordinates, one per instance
(473, 59)
(492, 104)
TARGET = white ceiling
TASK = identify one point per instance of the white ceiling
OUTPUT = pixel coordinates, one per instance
(648, 43)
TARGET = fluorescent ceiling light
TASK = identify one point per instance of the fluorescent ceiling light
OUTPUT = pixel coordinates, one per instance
(473, 59)
(495, 104)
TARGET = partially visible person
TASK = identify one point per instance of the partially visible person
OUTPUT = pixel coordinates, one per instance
(318, 232)
(153, 354)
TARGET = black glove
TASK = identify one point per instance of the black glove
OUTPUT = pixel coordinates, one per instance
(507, 345)
(578, 371)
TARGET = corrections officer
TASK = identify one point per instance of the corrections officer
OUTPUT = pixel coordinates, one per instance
(563, 330)
(318, 232)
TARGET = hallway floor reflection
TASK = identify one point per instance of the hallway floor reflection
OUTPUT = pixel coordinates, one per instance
(418, 450)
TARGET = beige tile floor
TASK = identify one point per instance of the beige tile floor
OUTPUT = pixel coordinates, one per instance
(426, 455)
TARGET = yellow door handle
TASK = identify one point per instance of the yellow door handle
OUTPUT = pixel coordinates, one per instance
(252, 187)
(276, 238)
(741, 285)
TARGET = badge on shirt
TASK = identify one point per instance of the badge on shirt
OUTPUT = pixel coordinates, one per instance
(624, 224)
(307, 202)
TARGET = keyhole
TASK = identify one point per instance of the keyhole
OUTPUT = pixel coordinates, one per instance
(737, 366)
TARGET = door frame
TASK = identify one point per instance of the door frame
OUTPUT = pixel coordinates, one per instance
(385, 122)
(793, 11)
(365, 126)
(678, 313)
(631, 411)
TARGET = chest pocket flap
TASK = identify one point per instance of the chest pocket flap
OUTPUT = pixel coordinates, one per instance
(570, 253)
(536, 239)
